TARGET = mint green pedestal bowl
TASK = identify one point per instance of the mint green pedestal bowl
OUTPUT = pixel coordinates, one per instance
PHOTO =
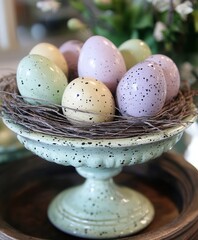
(100, 209)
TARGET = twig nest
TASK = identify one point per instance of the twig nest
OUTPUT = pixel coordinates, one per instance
(49, 119)
(104, 101)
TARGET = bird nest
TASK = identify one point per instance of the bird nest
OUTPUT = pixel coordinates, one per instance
(49, 119)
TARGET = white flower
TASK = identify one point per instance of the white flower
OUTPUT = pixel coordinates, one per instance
(158, 31)
(184, 9)
(160, 5)
(164, 5)
(186, 72)
(48, 5)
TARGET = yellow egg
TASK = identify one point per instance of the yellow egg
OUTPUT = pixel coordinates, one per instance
(51, 52)
(86, 101)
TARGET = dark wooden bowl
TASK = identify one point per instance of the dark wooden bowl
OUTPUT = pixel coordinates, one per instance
(28, 185)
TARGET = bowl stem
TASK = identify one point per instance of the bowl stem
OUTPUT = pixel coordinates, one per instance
(99, 208)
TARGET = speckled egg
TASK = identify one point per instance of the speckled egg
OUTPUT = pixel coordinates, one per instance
(86, 101)
(71, 51)
(142, 90)
(171, 74)
(40, 78)
(50, 51)
(134, 51)
(99, 58)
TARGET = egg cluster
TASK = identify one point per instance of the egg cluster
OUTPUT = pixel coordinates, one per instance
(91, 79)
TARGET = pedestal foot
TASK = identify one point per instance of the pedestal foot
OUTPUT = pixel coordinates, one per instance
(100, 209)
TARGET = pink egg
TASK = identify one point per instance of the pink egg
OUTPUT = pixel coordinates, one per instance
(99, 58)
(142, 90)
(171, 74)
(71, 51)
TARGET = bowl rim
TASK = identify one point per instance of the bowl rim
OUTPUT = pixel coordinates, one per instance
(116, 142)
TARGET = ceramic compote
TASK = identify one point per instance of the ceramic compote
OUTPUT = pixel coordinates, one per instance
(99, 208)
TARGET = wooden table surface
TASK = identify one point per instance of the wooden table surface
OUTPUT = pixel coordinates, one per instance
(28, 185)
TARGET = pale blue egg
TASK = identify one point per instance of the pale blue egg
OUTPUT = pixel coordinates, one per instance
(40, 80)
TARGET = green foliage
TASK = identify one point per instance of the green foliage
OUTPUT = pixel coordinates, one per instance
(120, 20)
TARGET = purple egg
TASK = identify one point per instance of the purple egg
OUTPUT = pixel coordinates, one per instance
(142, 90)
(171, 74)
(99, 58)
(71, 51)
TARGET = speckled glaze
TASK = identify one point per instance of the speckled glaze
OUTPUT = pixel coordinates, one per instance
(40, 78)
(92, 98)
(99, 208)
(171, 73)
(142, 90)
(99, 58)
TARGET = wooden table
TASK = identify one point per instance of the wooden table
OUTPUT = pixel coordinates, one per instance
(28, 185)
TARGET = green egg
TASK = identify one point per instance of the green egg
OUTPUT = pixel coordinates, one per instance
(40, 80)
(134, 51)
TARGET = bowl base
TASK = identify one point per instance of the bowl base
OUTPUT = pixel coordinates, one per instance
(100, 209)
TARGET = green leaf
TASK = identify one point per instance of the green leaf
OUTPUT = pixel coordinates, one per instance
(134, 34)
(112, 21)
(116, 38)
(150, 40)
(195, 17)
(139, 16)
(144, 21)
(78, 5)
(103, 5)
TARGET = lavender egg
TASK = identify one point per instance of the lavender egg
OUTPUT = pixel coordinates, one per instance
(142, 90)
(99, 58)
(171, 74)
(71, 51)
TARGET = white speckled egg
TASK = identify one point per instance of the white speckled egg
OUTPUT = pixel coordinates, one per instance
(171, 74)
(99, 58)
(142, 90)
(92, 100)
(71, 51)
(40, 78)
(134, 51)
(50, 51)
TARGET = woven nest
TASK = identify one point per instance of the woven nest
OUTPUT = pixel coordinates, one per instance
(49, 119)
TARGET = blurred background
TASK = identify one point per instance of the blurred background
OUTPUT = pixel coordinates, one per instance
(169, 27)
(23, 25)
